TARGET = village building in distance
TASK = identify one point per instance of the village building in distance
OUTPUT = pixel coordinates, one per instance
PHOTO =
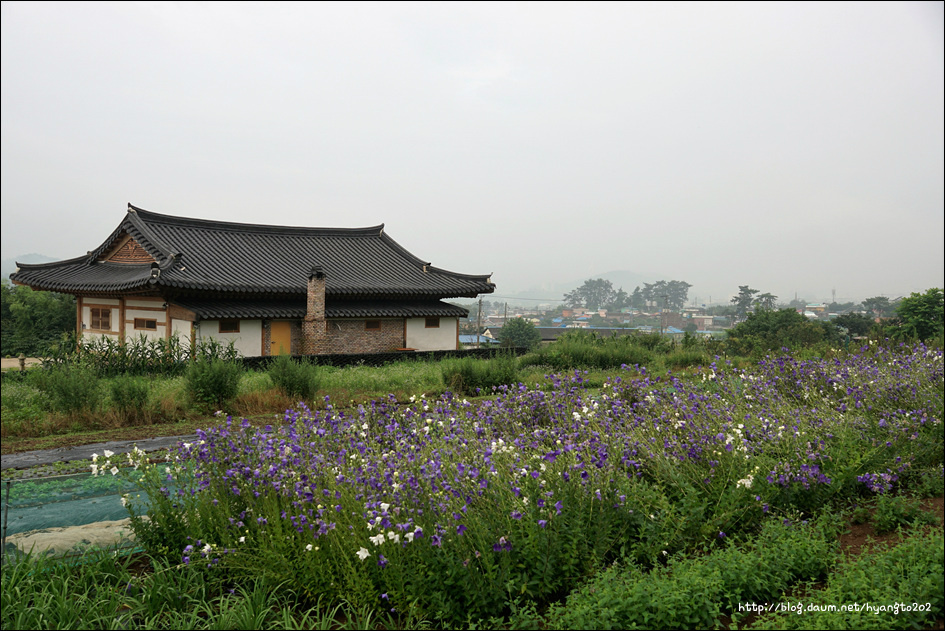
(268, 289)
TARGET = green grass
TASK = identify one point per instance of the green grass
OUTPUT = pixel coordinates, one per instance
(786, 565)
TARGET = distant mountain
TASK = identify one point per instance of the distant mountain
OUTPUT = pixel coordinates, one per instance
(8, 266)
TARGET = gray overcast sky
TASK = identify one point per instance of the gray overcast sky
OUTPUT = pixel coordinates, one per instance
(791, 147)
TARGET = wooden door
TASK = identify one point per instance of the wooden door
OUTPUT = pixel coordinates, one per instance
(280, 338)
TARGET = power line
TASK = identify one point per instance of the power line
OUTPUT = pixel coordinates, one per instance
(536, 299)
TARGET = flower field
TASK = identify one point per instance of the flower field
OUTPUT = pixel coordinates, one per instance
(458, 511)
(648, 502)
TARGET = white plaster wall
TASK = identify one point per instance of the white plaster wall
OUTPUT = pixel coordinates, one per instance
(424, 339)
(248, 341)
(88, 335)
(182, 329)
(132, 333)
(144, 302)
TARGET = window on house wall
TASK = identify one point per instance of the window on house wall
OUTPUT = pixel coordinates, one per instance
(372, 325)
(145, 324)
(229, 326)
(101, 319)
(433, 323)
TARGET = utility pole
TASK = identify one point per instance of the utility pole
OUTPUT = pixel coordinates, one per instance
(662, 313)
(479, 323)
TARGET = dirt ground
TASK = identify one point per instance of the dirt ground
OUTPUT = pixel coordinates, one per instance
(12, 363)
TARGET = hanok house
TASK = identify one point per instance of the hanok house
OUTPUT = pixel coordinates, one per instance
(268, 289)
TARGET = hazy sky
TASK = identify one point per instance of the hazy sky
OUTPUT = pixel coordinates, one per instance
(791, 147)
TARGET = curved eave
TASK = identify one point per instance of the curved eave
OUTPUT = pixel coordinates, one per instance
(76, 276)
(209, 309)
(172, 279)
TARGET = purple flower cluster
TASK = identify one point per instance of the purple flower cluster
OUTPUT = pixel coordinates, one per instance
(878, 482)
(384, 473)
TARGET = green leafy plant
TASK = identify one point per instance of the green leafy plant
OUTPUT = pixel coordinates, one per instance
(469, 375)
(213, 382)
(294, 378)
(894, 511)
(519, 332)
(72, 390)
(129, 396)
(896, 588)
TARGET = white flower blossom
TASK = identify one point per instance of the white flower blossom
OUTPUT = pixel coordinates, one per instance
(745, 482)
(363, 553)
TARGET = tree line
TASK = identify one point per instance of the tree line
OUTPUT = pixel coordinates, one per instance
(32, 321)
(598, 293)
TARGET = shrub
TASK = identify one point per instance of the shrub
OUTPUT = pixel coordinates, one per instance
(299, 380)
(467, 375)
(72, 389)
(583, 349)
(23, 406)
(213, 382)
(130, 397)
(686, 358)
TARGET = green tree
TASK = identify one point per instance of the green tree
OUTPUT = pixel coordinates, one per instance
(670, 295)
(879, 306)
(856, 324)
(766, 301)
(519, 333)
(841, 307)
(597, 293)
(921, 316)
(744, 300)
(32, 320)
(766, 330)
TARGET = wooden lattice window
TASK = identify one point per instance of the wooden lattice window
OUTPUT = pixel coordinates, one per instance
(433, 323)
(145, 324)
(101, 319)
(229, 326)
(372, 325)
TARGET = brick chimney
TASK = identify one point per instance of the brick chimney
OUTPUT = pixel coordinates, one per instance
(314, 326)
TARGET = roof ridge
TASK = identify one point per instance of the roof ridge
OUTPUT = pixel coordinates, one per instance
(147, 216)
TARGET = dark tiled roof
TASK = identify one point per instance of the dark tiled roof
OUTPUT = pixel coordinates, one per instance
(196, 255)
(393, 309)
(212, 309)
